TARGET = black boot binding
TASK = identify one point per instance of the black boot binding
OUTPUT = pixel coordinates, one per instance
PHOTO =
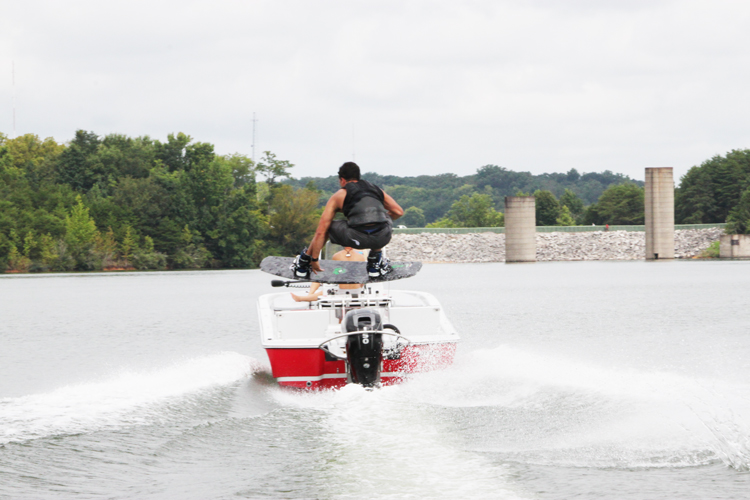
(377, 266)
(301, 265)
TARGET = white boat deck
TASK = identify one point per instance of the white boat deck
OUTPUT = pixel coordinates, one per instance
(288, 324)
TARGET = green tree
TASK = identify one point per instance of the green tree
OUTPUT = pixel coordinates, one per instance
(145, 191)
(18, 262)
(445, 222)
(293, 218)
(435, 203)
(146, 257)
(242, 168)
(738, 221)
(620, 204)
(146, 204)
(105, 249)
(29, 244)
(34, 157)
(471, 211)
(47, 252)
(695, 202)
(80, 234)
(505, 181)
(192, 254)
(128, 244)
(272, 168)
(77, 165)
(241, 230)
(709, 192)
(124, 157)
(201, 191)
(573, 202)
(547, 208)
(173, 153)
(413, 217)
(565, 218)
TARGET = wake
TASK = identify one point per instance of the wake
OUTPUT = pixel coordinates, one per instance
(126, 400)
(546, 409)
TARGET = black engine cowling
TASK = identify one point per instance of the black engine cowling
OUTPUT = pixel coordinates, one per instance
(364, 350)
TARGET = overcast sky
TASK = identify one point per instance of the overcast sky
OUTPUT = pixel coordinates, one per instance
(404, 87)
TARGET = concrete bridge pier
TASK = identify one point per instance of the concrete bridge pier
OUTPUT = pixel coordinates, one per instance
(520, 229)
(659, 213)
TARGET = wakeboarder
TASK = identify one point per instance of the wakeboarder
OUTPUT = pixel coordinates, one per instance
(369, 213)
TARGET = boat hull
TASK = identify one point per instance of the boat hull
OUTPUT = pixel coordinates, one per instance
(417, 336)
(308, 368)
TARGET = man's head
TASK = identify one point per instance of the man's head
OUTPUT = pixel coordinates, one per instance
(349, 171)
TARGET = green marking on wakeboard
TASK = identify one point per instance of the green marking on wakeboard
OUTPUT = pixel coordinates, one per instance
(396, 266)
(339, 270)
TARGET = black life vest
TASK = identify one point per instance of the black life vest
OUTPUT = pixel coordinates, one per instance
(364, 204)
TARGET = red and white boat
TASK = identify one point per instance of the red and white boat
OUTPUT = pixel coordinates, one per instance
(372, 336)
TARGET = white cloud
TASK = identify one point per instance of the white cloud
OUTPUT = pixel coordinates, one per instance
(413, 87)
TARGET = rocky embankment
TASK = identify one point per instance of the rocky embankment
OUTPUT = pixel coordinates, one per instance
(594, 245)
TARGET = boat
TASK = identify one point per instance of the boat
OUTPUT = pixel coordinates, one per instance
(372, 336)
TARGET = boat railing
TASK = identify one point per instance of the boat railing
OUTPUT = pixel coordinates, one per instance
(350, 301)
(365, 332)
(402, 299)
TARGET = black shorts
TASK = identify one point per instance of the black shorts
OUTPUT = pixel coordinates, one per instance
(341, 234)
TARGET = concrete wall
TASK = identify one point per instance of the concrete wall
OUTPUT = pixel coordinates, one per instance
(546, 229)
(520, 229)
(734, 246)
(659, 213)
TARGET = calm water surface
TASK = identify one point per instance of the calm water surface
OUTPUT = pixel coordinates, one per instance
(626, 380)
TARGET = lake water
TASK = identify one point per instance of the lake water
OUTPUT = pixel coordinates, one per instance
(622, 380)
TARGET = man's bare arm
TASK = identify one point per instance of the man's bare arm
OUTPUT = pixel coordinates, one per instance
(394, 209)
(334, 204)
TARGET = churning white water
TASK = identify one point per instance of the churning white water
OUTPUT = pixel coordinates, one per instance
(587, 380)
(128, 399)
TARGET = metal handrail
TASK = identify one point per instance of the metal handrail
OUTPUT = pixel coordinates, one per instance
(360, 332)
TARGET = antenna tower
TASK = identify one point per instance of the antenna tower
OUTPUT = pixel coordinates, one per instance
(13, 79)
(254, 120)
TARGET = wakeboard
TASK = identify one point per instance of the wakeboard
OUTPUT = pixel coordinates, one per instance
(340, 271)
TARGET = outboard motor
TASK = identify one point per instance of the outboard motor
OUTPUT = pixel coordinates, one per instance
(364, 351)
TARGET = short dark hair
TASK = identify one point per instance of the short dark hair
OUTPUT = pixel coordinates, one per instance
(349, 171)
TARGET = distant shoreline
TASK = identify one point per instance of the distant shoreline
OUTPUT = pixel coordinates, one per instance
(441, 248)
(554, 246)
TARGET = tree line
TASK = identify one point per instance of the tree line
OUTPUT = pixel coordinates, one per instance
(477, 200)
(716, 191)
(120, 202)
(618, 204)
(109, 202)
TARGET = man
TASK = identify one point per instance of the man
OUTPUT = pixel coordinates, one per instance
(369, 213)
